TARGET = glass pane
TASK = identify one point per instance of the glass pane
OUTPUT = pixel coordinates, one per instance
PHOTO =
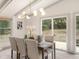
(77, 31)
(5, 31)
(47, 26)
(60, 29)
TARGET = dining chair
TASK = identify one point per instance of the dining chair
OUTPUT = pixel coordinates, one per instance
(13, 47)
(39, 38)
(49, 38)
(52, 48)
(32, 49)
(21, 47)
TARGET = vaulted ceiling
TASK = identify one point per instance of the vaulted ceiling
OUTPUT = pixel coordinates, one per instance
(9, 8)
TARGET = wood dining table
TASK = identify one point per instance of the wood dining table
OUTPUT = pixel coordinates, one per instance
(44, 47)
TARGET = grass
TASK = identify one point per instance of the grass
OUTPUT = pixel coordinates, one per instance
(60, 35)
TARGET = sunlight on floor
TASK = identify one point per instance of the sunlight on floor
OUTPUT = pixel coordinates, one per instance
(61, 45)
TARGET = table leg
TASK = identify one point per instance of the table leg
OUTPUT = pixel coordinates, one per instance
(42, 53)
(52, 55)
(47, 55)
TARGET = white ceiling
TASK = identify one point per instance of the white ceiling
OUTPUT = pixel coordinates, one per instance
(43, 4)
(38, 5)
(17, 5)
(14, 7)
(3, 3)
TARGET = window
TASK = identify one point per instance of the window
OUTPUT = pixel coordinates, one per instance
(47, 26)
(5, 31)
(77, 31)
(60, 29)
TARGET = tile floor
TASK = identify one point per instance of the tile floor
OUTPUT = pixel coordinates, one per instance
(5, 54)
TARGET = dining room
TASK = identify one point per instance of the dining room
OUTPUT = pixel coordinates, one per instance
(39, 29)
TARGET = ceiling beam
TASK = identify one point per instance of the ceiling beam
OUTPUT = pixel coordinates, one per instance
(5, 4)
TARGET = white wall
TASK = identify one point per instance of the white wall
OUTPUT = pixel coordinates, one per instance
(18, 32)
(67, 8)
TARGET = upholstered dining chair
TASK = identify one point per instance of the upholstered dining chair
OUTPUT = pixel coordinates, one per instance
(52, 48)
(22, 47)
(13, 47)
(32, 49)
(39, 38)
(49, 38)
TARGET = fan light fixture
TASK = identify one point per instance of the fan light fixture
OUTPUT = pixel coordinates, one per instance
(19, 16)
(42, 11)
(24, 14)
(27, 17)
(35, 13)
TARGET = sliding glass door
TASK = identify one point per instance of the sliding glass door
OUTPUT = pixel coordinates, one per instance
(77, 33)
(60, 32)
(60, 29)
(57, 27)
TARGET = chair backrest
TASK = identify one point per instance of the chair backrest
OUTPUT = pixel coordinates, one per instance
(39, 38)
(32, 49)
(49, 38)
(21, 46)
(13, 43)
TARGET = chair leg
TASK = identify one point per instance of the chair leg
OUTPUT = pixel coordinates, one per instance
(25, 57)
(54, 51)
(18, 56)
(11, 54)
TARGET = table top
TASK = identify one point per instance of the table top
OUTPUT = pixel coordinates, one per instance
(45, 44)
